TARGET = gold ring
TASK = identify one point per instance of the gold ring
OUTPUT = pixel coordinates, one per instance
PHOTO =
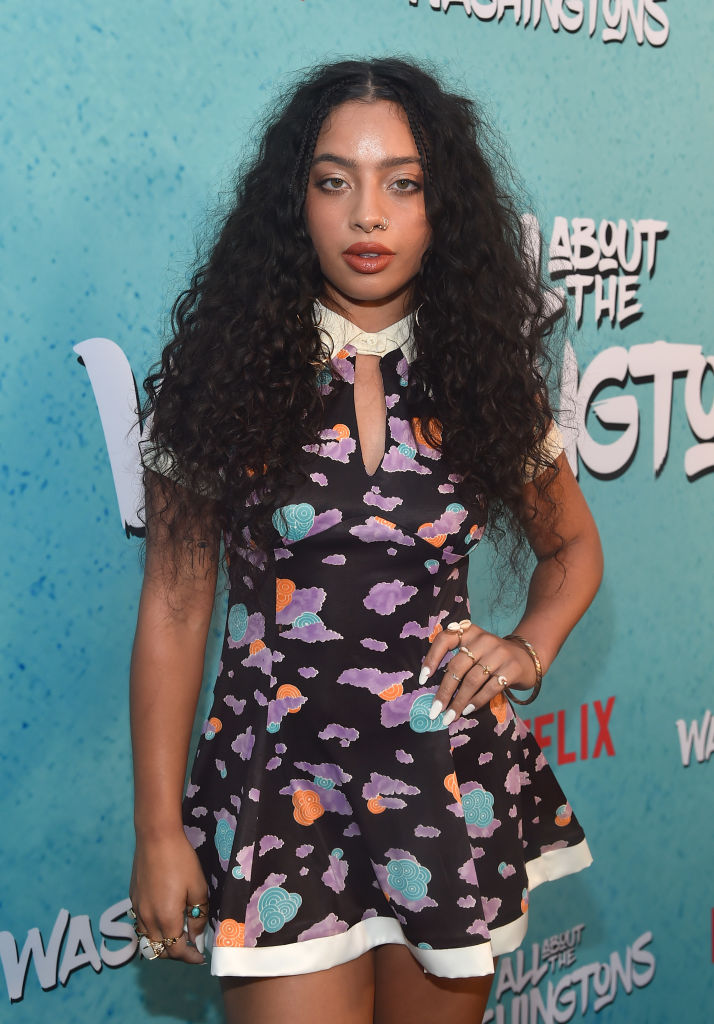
(485, 668)
(195, 911)
(465, 650)
(501, 680)
(457, 678)
(146, 947)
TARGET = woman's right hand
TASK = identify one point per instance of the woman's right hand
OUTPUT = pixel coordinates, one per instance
(166, 880)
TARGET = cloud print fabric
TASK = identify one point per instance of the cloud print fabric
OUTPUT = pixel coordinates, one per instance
(329, 812)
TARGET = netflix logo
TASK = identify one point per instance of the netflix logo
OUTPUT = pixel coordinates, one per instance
(575, 736)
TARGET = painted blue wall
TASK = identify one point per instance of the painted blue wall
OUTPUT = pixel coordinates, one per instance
(120, 126)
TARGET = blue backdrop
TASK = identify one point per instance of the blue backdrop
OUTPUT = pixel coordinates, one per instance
(121, 124)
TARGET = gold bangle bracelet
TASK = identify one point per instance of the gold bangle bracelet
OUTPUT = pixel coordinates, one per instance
(538, 667)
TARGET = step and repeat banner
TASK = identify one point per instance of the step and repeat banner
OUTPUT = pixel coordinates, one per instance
(121, 128)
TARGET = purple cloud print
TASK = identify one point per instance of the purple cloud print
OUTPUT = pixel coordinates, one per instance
(427, 831)
(398, 460)
(304, 599)
(374, 497)
(310, 628)
(196, 836)
(343, 733)
(383, 785)
(373, 645)
(335, 875)
(383, 598)
(331, 799)
(330, 925)
(269, 843)
(372, 530)
(516, 779)
(338, 451)
(326, 770)
(371, 678)
(243, 744)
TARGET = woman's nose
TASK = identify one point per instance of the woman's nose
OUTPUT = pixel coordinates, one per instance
(367, 212)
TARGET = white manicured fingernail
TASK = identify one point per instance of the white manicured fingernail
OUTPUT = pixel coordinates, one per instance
(468, 709)
(435, 709)
(449, 717)
(424, 675)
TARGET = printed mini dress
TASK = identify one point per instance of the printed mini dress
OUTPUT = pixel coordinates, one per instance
(330, 814)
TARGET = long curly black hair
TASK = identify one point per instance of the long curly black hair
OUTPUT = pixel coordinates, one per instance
(234, 399)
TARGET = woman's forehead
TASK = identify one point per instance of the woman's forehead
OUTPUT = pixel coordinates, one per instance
(367, 128)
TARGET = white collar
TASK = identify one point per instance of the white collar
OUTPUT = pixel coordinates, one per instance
(336, 332)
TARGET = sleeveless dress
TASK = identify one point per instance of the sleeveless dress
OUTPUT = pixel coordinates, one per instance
(329, 812)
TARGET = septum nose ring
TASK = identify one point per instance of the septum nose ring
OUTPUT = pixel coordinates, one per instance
(383, 225)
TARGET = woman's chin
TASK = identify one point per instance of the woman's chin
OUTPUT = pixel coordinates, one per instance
(367, 293)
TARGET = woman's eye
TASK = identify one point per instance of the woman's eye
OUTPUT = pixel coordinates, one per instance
(332, 184)
(406, 185)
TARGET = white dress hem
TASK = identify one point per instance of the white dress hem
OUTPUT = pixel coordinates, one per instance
(331, 950)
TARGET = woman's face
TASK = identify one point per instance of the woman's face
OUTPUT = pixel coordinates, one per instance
(366, 171)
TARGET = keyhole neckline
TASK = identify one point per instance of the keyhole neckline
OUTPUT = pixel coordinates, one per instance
(358, 434)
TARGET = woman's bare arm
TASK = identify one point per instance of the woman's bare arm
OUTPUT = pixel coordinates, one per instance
(166, 670)
(556, 599)
(563, 584)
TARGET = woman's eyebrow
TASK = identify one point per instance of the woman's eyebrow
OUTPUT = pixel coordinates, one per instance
(343, 161)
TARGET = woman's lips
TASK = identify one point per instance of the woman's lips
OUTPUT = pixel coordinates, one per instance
(368, 257)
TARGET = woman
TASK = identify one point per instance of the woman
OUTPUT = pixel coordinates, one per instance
(354, 382)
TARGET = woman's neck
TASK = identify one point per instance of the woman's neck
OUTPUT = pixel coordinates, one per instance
(368, 316)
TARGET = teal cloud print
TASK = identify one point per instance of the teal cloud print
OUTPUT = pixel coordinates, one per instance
(419, 715)
(238, 622)
(277, 906)
(293, 522)
(322, 782)
(408, 878)
(478, 807)
(224, 839)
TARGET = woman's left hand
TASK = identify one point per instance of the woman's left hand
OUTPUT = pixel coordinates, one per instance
(479, 676)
